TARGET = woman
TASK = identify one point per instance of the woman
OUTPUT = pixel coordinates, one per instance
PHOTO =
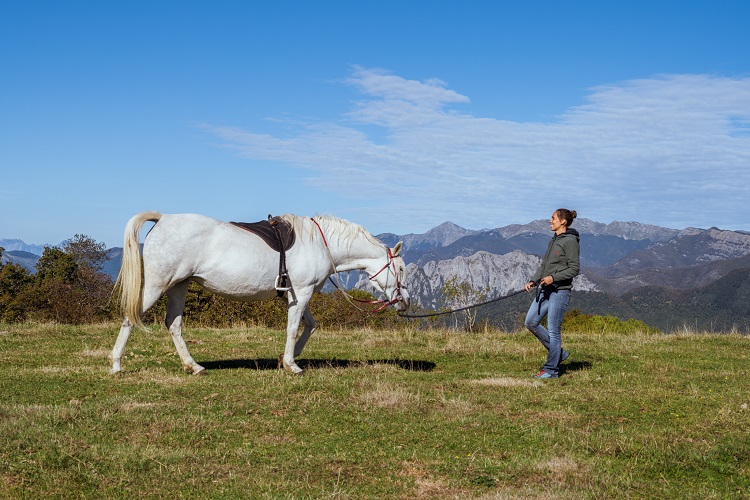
(555, 276)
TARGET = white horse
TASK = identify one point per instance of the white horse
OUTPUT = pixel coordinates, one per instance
(239, 265)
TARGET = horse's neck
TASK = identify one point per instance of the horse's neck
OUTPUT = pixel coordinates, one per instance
(356, 253)
(360, 255)
(354, 264)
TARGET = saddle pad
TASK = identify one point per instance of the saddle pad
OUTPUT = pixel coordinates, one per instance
(265, 229)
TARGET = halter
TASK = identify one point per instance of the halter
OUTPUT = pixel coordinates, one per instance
(385, 302)
(388, 264)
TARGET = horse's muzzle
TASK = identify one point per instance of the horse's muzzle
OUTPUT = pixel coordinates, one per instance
(404, 301)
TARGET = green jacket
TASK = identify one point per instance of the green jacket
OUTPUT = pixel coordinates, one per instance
(562, 260)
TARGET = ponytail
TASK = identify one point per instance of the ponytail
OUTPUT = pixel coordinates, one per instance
(566, 215)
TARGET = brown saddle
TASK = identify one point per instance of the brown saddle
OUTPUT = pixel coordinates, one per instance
(276, 232)
(280, 236)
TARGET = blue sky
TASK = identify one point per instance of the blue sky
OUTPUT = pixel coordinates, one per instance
(398, 115)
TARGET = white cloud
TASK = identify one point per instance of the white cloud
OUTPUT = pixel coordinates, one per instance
(671, 150)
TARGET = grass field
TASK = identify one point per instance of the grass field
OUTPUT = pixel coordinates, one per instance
(377, 414)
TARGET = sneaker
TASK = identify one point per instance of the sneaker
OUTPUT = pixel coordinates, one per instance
(543, 374)
(565, 355)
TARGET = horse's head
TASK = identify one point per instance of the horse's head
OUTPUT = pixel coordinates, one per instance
(391, 279)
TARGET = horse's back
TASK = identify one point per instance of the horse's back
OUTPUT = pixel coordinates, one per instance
(177, 236)
(221, 257)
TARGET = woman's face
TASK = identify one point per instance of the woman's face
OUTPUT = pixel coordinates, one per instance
(556, 224)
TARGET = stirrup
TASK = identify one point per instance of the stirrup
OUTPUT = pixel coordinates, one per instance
(279, 287)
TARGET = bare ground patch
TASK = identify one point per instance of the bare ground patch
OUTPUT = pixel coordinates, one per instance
(133, 406)
(389, 396)
(427, 485)
(64, 370)
(96, 353)
(507, 382)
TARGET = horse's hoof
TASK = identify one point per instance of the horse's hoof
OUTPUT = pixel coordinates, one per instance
(199, 370)
(290, 367)
(116, 366)
(294, 369)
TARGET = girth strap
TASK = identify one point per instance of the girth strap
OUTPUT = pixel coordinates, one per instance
(282, 281)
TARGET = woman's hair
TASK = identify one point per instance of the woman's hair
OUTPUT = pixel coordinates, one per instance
(566, 215)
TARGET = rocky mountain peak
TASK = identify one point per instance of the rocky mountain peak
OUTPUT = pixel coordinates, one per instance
(439, 236)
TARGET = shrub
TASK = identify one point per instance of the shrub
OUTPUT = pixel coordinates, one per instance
(577, 321)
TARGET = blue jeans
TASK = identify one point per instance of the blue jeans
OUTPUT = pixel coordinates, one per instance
(553, 305)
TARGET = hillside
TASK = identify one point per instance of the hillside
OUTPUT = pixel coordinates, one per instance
(722, 306)
(20, 258)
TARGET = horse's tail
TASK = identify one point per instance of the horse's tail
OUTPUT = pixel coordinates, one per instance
(130, 279)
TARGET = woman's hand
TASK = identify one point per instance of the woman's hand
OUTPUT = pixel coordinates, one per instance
(547, 280)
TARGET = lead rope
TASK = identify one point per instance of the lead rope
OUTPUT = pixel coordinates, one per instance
(429, 315)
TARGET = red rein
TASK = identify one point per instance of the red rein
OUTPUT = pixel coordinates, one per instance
(385, 303)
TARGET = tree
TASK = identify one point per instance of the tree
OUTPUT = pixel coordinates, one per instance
(95, 284)
(458, 295)
(69, 286)
(54, 264)
(14, 280)
(85, 251)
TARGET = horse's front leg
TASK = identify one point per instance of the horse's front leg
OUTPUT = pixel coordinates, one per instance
(296, 309)
(310, 324)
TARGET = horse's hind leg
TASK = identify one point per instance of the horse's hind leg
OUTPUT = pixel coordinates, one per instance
(149, 299)
(175, 305)
(119, 348)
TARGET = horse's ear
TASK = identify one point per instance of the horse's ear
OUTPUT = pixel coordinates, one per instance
(397, 248)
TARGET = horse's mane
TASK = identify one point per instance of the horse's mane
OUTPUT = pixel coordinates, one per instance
(333, 227)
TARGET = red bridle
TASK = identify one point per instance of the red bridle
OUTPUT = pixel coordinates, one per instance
(399, 297)
(385, 302)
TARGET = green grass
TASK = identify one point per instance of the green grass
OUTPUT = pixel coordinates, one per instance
(377, 414)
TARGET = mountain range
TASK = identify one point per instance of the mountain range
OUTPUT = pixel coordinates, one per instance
(672, 279)
(696, 279)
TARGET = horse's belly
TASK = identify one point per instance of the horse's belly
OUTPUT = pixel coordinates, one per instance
(240, 279)
(244, 295)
